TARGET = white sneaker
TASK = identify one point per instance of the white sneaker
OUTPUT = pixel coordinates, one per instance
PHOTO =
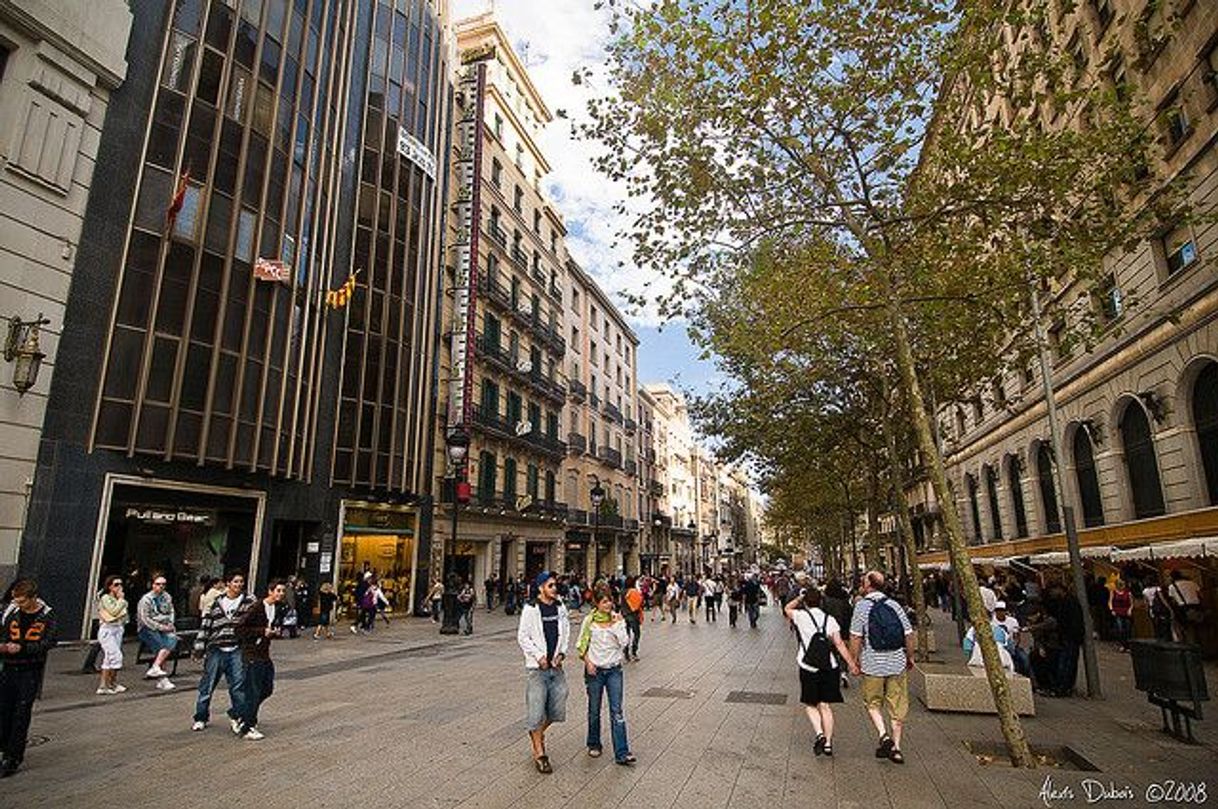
(154, 672)
(197, 726)
(236, 725)
(252, 735)
(354, 630)
(164, 684)
(103, 690)
(118, 689)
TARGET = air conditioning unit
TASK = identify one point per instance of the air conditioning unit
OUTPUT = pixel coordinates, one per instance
(524, 366)
(524, 427)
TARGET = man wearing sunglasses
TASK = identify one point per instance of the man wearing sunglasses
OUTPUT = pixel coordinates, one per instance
(543, 635)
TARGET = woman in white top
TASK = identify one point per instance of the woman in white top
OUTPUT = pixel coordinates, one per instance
(818, 687)
(602, 645)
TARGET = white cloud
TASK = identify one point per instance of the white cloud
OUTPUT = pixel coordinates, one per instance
(555, 39)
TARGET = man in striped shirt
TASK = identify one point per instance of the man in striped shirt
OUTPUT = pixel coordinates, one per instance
(884, 670)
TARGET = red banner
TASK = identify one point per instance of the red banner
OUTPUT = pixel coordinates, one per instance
(266, 269)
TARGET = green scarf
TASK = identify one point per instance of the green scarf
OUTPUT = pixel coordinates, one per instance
(585, 631)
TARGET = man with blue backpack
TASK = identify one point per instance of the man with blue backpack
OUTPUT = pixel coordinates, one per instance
(881, 639)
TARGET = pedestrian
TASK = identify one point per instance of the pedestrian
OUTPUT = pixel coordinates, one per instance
(603, 639)
(543, 635)
(221, 649)
(1014, 634)
(633, 614)
(693, 594)
(303, 602)
(708, 599)
(256, 628)
(326, 600)
(361, 603)
(734, 596)
(466, 600)
(1120, 604)
(380, 603)
(28, 627)
(111, 619)
(881, 640)
(215, 588)
(489, 587)
(154, 615)
(290, 617)
(818, 634)
(751, 592)
(658, 589)
(1187, 611)
(435, 597)
(1065, 609)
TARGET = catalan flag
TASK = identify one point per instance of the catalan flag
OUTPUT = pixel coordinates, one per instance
(338, 298)
(179, 199)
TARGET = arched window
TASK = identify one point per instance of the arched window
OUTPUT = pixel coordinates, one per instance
(1017, 507)
(1088, 482)
(1205, 418)
(971, 482)
(1048, 494)
(1141, 464)
(991, 493)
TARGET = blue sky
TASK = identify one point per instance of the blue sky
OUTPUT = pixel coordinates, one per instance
(668, 356)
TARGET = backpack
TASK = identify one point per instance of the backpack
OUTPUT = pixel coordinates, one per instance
(884, 630)
(817, 652)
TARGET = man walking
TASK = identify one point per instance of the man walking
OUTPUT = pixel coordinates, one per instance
(466, 599)
(257, 627)
(154, 615)
(28, 631)
(751, 591)
(221, 649)
(881, 639)
(633, 603)
(543, 635)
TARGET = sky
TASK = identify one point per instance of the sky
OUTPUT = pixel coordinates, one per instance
(555, 38)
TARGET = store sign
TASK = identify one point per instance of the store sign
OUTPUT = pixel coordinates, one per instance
(159, 517)
(416, 152)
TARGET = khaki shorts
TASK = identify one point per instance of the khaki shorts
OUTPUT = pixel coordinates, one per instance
(891, 691)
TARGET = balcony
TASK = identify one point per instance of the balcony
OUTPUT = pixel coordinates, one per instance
(632, 467)
(610, 457)
(491, 287)
(611, 521)
(554, 292)
(520, 258)
(650, 455)
(494, 353)
(504, 428)
(631, 426)
(593, 399)
(612, 411)
(577, 516)
(632, 524)
(554, 391)
(577, 390)
(548, 508)
(576, 444)
(655, 488)
(496, 233)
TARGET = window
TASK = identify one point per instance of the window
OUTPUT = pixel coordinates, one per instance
(1103, 13)
(974, 511)
(960, 428)
(978, 411)
(1141, 465)
(486, 475)
(531, 481)
(1048, 492)
(1210, 73)
(498, 126)
(549, 486)
(509, 480)
(1088, 481)
(575, 299)
(1016, 487)
(518, 199)
(1078, 55)
(999, 393)
(1108, 299)
(991, 494)
(1179, 249)
(1119, 77)
(519, 157)
(537, 222)
(553, 242)
(575, 342)
(513, 408)
(496, 173)
(1205, 419)
(4, 52)
(1176, 125)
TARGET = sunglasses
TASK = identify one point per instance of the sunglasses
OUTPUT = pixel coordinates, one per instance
(158, 584)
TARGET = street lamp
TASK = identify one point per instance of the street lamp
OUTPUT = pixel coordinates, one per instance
(598, 496)
(457, 443)
(693, 532)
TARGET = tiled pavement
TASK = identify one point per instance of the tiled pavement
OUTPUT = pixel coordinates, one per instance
(409, 718)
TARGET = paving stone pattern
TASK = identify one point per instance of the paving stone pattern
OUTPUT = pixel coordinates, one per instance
(409, 718)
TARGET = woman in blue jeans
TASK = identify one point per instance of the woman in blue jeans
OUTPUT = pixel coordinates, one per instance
(602, 645)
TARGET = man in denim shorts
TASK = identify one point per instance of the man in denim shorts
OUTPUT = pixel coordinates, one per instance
(544, 633)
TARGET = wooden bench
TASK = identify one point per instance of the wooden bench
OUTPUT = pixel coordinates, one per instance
(186, 641)
(957, 687)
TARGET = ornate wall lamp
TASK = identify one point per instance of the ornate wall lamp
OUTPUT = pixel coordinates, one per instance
(21, 349)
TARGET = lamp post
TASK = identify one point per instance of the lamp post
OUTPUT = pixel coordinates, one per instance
(693, 532)
(598, 496)
(457, 442)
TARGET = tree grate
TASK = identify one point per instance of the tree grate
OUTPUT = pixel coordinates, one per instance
(757, 697)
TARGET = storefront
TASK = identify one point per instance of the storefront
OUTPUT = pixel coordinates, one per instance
(382, 540)
(536, 558)
(575, 558)
(181, 531)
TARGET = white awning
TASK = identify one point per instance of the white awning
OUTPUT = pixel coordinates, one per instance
(1184, 548)
(1096, 552)
(1051, 558)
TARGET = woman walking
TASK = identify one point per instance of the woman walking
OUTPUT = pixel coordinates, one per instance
(819, 681)
(326, 600)
(1120, 604)
(602, 644)
(111, 618)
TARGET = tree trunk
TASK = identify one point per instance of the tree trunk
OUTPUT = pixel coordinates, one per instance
(871, 551)
(1008, 719)
(907, 535)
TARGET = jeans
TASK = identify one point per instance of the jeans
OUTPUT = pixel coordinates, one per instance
(465, 615)
(435, 610)
(711, 612)
(232, 667)
(259, 685)
(753, 612)
(609, 681)
(1122, 626)
(733, 610)
(1067, 668)
(18, 690)
(632, 627)
(1019, 656)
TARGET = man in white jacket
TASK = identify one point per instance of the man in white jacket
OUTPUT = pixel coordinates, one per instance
(545, 630)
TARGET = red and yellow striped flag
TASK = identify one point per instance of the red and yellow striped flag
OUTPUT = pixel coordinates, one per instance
(338, 298)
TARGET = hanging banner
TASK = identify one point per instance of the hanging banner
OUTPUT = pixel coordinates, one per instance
(268, 269)
(413, 150)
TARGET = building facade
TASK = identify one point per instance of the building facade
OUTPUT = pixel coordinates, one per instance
(59, 63)
(676, 457)
(1139, 409)
(221, 408)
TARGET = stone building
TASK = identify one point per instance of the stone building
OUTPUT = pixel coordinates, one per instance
(59, 62)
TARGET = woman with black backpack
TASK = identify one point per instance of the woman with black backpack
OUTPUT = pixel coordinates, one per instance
(819, 636)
